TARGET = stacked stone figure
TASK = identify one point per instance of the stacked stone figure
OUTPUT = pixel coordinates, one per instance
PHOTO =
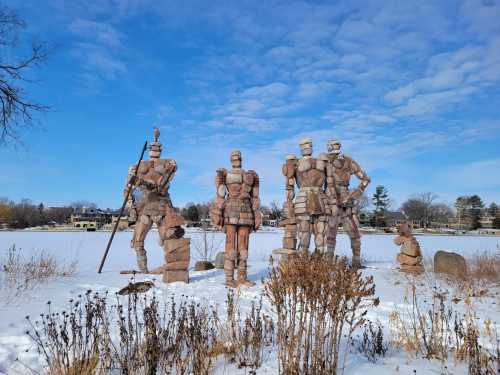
(237, 211)
(155, 207)
(410, 256)
(341, 200)
(307, 211)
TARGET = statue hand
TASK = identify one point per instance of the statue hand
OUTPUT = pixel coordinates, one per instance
(258, 220)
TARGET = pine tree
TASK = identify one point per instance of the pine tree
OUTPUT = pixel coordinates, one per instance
(381, 202)
(476, 206)
(493, 209)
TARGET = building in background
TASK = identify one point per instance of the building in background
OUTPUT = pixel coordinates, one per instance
(90, 219)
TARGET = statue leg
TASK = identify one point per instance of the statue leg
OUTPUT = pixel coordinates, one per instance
(231, 254)
(243, 237)
(176, 249)
(351, 228)
(320, 226)
(332, 229)
(141, 230)
(304, 227)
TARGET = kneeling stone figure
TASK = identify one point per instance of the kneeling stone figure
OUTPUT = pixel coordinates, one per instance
(237, 211)
(155, 207)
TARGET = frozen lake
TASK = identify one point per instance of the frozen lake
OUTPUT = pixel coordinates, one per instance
(88, 247)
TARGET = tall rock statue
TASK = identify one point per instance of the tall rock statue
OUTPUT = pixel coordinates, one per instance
(153, 206)
(341, 200)
(306, 210)
(237, 211)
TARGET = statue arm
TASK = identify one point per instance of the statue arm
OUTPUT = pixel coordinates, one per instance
(256, 201)
(220, 198)
(363, 178)
(331, 193)
(130, 184)
(164, 181)
(289, 173)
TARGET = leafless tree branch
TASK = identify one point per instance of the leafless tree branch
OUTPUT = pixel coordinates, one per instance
(16, 109)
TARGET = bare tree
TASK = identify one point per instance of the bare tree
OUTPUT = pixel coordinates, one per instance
(362, 202)
(17, 110)
(423, 208)
(276, 211)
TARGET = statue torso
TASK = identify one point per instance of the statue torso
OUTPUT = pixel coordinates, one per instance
(310, 173)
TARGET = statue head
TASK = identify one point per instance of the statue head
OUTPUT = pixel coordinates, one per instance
(333, 146)
(306, 147)
(404, 229)
(236, 159)
(155, 147)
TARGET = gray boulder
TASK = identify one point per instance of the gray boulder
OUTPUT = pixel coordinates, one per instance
(219, 260)
(203, 266)
(450, 263)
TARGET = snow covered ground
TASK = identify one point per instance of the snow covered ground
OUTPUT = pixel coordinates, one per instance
(87, 247)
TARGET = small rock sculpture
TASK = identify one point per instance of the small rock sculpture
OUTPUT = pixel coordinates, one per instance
(410, 256)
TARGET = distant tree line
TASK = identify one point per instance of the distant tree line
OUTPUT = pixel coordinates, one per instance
(26, 214)
(423, 209)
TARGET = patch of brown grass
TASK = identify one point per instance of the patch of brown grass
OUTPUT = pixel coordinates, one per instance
(21, 274)
(484, 267)
(319, 301)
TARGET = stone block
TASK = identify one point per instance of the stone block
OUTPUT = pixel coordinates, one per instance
(175, 276)
(408, 260)
(177, 250)
(417, 269)
(174, 266)
(289, 242)
(411, 248)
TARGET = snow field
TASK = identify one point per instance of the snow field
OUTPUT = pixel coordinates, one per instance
(87, 247)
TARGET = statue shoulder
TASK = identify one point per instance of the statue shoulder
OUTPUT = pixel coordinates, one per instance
(323, 156)
(221, 171)
(289, 166)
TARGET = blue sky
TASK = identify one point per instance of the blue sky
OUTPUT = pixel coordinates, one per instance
(411, 89)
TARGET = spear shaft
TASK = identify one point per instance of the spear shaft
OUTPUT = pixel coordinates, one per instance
(129, 191)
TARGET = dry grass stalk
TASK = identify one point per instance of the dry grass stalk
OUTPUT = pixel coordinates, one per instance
(371, 344)
(244, 340)
(484, 267)
(439, 331)
(21, 274)
(134, 335)
(319, 300)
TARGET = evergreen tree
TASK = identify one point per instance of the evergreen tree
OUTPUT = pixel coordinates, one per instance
(493, 209)
(381, 202)
(476, 206)
(193, 214)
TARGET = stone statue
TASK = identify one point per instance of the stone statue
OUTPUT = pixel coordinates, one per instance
(237, 211)
(155, 207)
(341, 200)
(308, 209)
(410, 256)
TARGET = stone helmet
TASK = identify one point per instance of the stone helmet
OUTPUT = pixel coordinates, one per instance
(333, 146)
(155, 147)
(306, 146)
(236, 159)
